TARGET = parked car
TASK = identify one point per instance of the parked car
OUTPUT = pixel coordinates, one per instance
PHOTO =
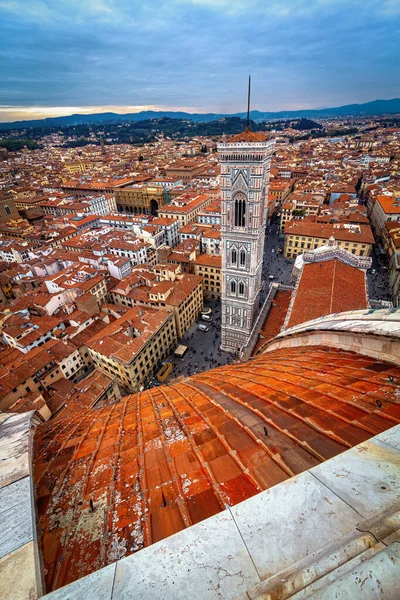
(206, 318)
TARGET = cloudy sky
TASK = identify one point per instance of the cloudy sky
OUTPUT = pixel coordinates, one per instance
(64, 56)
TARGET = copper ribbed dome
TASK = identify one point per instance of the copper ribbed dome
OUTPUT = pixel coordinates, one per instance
(113, 480)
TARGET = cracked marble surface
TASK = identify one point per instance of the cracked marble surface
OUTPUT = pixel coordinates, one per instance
(96, 586)
(298, 513)
(389, 436)
(208, 561)
(16, 516)
(366, 477)
(358, 584)
(20, 574)
(14, 448)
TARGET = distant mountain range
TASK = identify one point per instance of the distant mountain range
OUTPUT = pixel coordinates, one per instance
(374, 108)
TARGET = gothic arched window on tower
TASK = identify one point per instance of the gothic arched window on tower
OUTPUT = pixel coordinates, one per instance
(233, 287)
(242, 258)
(240, 211)
(234, 257)
(241, 289)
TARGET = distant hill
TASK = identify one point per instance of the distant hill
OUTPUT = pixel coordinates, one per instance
(375, 108)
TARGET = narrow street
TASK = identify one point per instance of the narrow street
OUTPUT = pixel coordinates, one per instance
(378, 277)
(275, 265)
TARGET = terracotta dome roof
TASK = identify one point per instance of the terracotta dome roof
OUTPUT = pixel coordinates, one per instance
(247, 136)
(113, 480)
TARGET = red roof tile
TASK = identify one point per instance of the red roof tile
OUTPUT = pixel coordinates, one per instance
(247, 136)
(275, 318)
(169, 457)
(326, 288)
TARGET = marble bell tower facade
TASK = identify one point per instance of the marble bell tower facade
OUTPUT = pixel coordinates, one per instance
(245, 166)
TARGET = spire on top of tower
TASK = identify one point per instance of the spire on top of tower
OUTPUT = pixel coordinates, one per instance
(247, 135)
(248, 106)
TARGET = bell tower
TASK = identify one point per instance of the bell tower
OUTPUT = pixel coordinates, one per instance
(245, 166)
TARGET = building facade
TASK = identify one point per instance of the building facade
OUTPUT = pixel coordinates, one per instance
(386, 208)
(8, 210)
(245, 166)
(140, 199)
(185, 171)
(133, 347)
(301, 236)
(183, 297)
(185, 208)
(209, 268)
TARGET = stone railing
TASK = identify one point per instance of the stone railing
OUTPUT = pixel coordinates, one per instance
(248, 146)
(332, 252)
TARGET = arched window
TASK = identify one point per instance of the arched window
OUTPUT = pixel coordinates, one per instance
(241, 289)
(233, 287)
(240, 211)
(242, 258)
(234, 257)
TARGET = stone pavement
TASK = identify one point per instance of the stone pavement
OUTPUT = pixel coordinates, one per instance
(203, 348)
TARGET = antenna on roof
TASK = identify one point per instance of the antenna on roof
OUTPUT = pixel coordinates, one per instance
(248, 105)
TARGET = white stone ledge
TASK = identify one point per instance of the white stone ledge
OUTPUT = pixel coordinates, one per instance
(20, 573)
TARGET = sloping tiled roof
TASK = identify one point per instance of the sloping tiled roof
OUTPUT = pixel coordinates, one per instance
(209, 260)
(390, 204)
(326, 288)
(111, 481)
(310, 228)
(275, 318)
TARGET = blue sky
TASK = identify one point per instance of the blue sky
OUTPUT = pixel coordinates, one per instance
(63, 56)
